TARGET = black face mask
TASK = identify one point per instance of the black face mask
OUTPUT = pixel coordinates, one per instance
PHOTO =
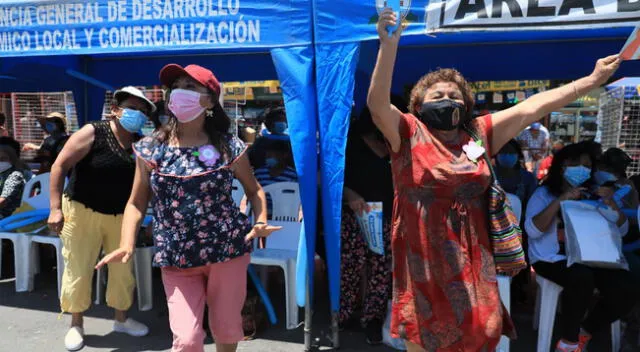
(445, 115)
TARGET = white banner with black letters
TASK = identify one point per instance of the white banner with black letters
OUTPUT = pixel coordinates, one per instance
(483, 15)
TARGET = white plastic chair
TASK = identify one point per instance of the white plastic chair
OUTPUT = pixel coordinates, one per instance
(237, 192)
(239, 197)
(143, 272)
(282, 250)
(285, 199)
(545, 315)
(504, 282)
(22, 241)
(39, 202)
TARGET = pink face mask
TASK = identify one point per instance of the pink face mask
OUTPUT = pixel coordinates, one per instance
(185, 105)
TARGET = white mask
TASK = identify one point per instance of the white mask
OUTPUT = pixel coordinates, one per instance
(4, 166)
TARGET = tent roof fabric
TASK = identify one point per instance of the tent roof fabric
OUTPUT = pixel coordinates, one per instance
(625, 82)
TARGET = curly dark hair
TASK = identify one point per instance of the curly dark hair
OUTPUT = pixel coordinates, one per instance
(12, 143)
(441, 75)
(617, 160)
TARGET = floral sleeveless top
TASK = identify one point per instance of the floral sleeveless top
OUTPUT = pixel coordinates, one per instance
(196, 221)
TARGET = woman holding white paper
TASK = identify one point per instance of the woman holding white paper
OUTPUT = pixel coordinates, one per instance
(367, 179)
(570, 171)
(445, 295)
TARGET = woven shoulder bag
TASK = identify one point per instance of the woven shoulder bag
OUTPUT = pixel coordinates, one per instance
(505, 234)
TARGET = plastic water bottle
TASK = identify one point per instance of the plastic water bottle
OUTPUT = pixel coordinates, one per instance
(395, 6)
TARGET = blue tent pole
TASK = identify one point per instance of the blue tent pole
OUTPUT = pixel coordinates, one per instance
(335, 71)
(295, 67)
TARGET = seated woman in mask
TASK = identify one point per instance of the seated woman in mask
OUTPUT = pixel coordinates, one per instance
(276, 129)
(571, 170)
(513, 177)
(612, 177)
(55, 127)
(612, 171)
(277, 167)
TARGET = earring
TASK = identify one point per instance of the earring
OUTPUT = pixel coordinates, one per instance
(209, 113)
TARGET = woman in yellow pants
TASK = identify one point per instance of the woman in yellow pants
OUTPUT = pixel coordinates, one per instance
(89, 215)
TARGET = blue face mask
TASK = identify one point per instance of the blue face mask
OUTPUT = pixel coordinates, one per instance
(271, 162)
(50, 127)
(507, 160)
(164, 119)
(602, 177)
(132, 120)
(279, 127)
(577, 175)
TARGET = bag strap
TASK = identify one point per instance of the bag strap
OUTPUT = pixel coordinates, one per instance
(474, 136)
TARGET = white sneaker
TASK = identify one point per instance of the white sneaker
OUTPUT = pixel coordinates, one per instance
(74, 340)
(131, 327)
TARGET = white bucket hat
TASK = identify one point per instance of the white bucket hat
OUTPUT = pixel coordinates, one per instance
(129, 91)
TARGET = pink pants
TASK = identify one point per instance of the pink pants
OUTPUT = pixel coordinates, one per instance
(222, 287)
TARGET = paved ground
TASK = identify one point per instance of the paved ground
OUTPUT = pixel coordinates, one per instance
(29, 322)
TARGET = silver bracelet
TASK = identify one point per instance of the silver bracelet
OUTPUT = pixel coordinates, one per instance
(575, 90)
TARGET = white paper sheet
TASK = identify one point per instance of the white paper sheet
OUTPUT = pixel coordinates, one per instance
(372, 227)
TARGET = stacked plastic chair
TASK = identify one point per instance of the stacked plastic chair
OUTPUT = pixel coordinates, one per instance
(25, 259)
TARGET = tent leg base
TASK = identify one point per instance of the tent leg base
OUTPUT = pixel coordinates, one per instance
(308, 315)
(335, 330)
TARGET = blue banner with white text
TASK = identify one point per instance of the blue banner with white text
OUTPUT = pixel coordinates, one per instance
(113, 26)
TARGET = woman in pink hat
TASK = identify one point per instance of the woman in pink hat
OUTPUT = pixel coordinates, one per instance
(202, 239)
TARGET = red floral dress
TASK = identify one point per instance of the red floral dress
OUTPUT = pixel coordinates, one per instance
(445, 293)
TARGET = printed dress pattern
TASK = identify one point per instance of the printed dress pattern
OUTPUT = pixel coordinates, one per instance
(445, 293)
(196, 221)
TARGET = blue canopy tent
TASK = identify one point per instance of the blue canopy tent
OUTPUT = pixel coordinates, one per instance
(90, 47)
(630, 84)
(346, 49)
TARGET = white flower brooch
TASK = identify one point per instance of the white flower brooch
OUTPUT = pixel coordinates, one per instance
(474, 150)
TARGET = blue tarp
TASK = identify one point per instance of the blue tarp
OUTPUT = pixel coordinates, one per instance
(88, 47)
(323, 52)
(629, 84)
(346, 40)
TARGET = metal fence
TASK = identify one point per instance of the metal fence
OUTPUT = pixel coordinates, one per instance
(619, 123)
(27, 108)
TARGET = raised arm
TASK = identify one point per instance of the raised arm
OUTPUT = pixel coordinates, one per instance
(384, 115)
(508, 123)
(75, 149)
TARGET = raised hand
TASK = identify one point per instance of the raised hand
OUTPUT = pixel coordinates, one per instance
(388, 18)
(605, 68)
